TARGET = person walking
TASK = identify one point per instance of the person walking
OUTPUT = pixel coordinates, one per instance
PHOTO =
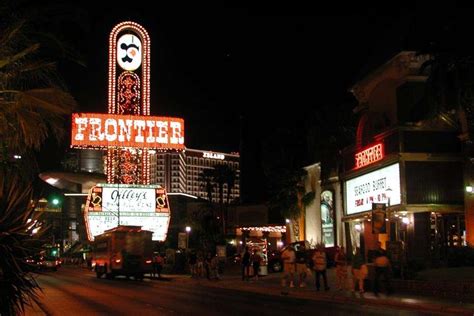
(359, 271)
(256, 261)
(207, 265)
(288, 256)
(320, 265)
(199, 265)
(341, 269)
(157, 265)
(246, 264)
(214, 267)
(382, 268)
(192, 263)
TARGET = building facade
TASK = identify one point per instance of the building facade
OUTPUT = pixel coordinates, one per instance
(403, 177)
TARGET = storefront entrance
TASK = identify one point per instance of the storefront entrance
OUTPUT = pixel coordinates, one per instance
(447, 231)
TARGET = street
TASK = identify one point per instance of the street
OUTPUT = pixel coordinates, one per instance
(76, 291)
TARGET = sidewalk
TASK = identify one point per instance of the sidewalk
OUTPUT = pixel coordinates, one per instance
(270, 285)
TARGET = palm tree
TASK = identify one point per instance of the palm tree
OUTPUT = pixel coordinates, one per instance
(207, 178)
(230, 178)
(288, 196)
(32, 102)
(223, 174)
(17, 287)
(33, 106)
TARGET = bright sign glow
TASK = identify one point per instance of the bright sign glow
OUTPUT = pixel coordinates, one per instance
(372, 187)
(113, 130)
(213, 155)
(138, 205)
(369, 156)
(129, 52)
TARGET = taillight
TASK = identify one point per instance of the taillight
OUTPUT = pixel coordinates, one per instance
(148, 261)
(117, 260)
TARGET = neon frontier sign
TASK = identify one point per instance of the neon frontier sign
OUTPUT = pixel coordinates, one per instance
(113, 130)
(369, 156)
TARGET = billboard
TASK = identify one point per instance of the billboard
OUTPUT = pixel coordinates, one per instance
(374, 187)
(327, 218)
(119, 130)
(110, 205)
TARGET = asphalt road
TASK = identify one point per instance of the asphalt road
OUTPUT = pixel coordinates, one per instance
(75, 291)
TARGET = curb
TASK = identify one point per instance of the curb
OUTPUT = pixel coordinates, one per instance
(335, 298)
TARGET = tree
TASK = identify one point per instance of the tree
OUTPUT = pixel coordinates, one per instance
(288, 196)
(32, 103)
(17, 286)
(207, 177)
(33, 106)
(224, 175)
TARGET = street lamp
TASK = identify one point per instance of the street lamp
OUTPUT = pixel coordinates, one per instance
(188, 230)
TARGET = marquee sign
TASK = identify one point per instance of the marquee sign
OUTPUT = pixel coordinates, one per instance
(374, 187)
(113, 130)
(110, 205)
(369, 156)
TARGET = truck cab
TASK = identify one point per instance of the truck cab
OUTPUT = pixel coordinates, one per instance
(123, 250)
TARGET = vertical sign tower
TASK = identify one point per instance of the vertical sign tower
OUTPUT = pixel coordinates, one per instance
(129, 93)
(127, 132)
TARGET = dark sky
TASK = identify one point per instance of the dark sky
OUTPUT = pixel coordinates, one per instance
(212, 66)
(273, 66)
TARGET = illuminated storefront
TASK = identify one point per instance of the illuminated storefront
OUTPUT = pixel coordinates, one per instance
(422, 194)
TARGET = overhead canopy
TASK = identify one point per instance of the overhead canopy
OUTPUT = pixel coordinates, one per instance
(72, 181)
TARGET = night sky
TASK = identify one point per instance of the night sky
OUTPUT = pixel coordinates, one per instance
(272, 66)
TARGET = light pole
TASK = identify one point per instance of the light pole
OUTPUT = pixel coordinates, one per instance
(188, 230)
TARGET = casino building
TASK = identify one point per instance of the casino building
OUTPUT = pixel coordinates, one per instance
(408, 164)
(180, 172)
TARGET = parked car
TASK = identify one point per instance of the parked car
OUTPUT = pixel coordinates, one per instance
(49, 263)
(275, 263)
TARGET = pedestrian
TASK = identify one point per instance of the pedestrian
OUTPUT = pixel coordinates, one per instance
(320, 265)
(359, 271)
(207, 265)
(199, 265)
(341, 269)
(192, 263)
(214, 268)
(245, 264)
(256, 259)
(157, 265)
(301, 266)
(288, 256)
(382, 268)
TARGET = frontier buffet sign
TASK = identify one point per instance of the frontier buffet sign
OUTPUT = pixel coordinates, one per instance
(374, 187)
